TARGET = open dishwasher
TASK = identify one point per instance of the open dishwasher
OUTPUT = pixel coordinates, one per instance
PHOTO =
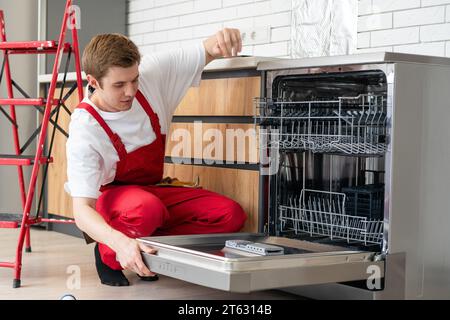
(344, 199)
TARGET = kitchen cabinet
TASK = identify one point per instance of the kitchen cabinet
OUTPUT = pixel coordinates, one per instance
(221, 108)
(58, 201)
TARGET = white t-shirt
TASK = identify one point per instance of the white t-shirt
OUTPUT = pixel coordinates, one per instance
(91, 157)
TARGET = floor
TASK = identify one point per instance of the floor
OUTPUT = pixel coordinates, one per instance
(62, 264)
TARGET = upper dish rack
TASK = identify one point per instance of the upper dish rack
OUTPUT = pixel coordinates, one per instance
(345, 125)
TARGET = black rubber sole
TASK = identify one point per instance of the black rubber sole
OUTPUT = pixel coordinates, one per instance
(150, 278)
(108, 276)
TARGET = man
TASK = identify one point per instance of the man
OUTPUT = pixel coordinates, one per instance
(115, 152)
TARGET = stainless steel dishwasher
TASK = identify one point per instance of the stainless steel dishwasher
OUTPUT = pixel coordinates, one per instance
(355, 153)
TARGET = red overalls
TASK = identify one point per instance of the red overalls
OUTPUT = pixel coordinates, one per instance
(133, 205)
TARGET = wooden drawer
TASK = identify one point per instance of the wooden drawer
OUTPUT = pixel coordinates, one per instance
(217, 141)
(239, 185)
(221, 97)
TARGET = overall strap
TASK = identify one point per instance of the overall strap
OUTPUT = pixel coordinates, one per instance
(154, 120)
(114, 137)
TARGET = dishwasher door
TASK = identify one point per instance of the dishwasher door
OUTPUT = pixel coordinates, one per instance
(204, 260)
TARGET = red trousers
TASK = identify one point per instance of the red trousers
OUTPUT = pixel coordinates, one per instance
(142, 211)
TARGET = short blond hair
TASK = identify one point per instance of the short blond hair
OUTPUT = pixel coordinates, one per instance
(109, 50)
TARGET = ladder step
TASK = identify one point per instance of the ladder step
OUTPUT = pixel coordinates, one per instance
(27, 102)
(10, 220)
(32, 47)
(22, 160)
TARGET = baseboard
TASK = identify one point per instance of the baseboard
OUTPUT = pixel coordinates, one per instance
(66, 228)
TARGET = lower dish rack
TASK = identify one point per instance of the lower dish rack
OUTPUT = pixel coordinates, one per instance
(322, 213)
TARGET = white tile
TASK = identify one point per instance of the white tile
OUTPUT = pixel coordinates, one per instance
(364, 7)
(280, 34)
(391, 5)
(161, 3)
(246, 23)
(435, 32)
(147, 15)
(428, 48)
(447, 14)
(167, 23)
(223, 14)
(147, 49)
(247, 51)
(229, 3)
(142, 27)
(135, 17)
(447, 49)
(155, 37)
(363, 40)
(180, 9)
(206, 30)
(375, 22)
(204, 5)
(274, 20)
(272, 49)
(280, 5)
(420, 16)
(213, 16)
(395, 37)
(179, 34)
(426, 3)
(137, 39)
(194, 19)
(138, 5)
(254, 9)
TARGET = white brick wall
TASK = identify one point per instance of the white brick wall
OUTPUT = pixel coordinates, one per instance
(158, 25)
(408, 26)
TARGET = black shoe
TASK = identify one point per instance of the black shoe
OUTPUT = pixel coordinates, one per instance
(107, 275)
(149, 278)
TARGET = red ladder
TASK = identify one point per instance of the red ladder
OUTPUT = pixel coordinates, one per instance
(44, 105)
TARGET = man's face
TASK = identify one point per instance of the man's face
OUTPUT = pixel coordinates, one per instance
(118, 88)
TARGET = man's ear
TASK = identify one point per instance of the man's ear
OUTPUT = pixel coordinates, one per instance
(94, 83)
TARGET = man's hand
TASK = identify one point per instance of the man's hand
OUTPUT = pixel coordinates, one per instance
(225, 43)
(128, 254)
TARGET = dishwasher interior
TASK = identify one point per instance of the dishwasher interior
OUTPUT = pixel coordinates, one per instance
(330, 133)
(326, 206)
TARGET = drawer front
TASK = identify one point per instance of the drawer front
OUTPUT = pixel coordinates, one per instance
(239, 185)
(190, 258)
(221, 97)
(221, 142)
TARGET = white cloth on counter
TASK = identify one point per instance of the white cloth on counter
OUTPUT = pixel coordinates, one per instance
(323, 27)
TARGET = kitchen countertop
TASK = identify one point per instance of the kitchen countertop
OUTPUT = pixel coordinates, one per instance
(364, 58)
